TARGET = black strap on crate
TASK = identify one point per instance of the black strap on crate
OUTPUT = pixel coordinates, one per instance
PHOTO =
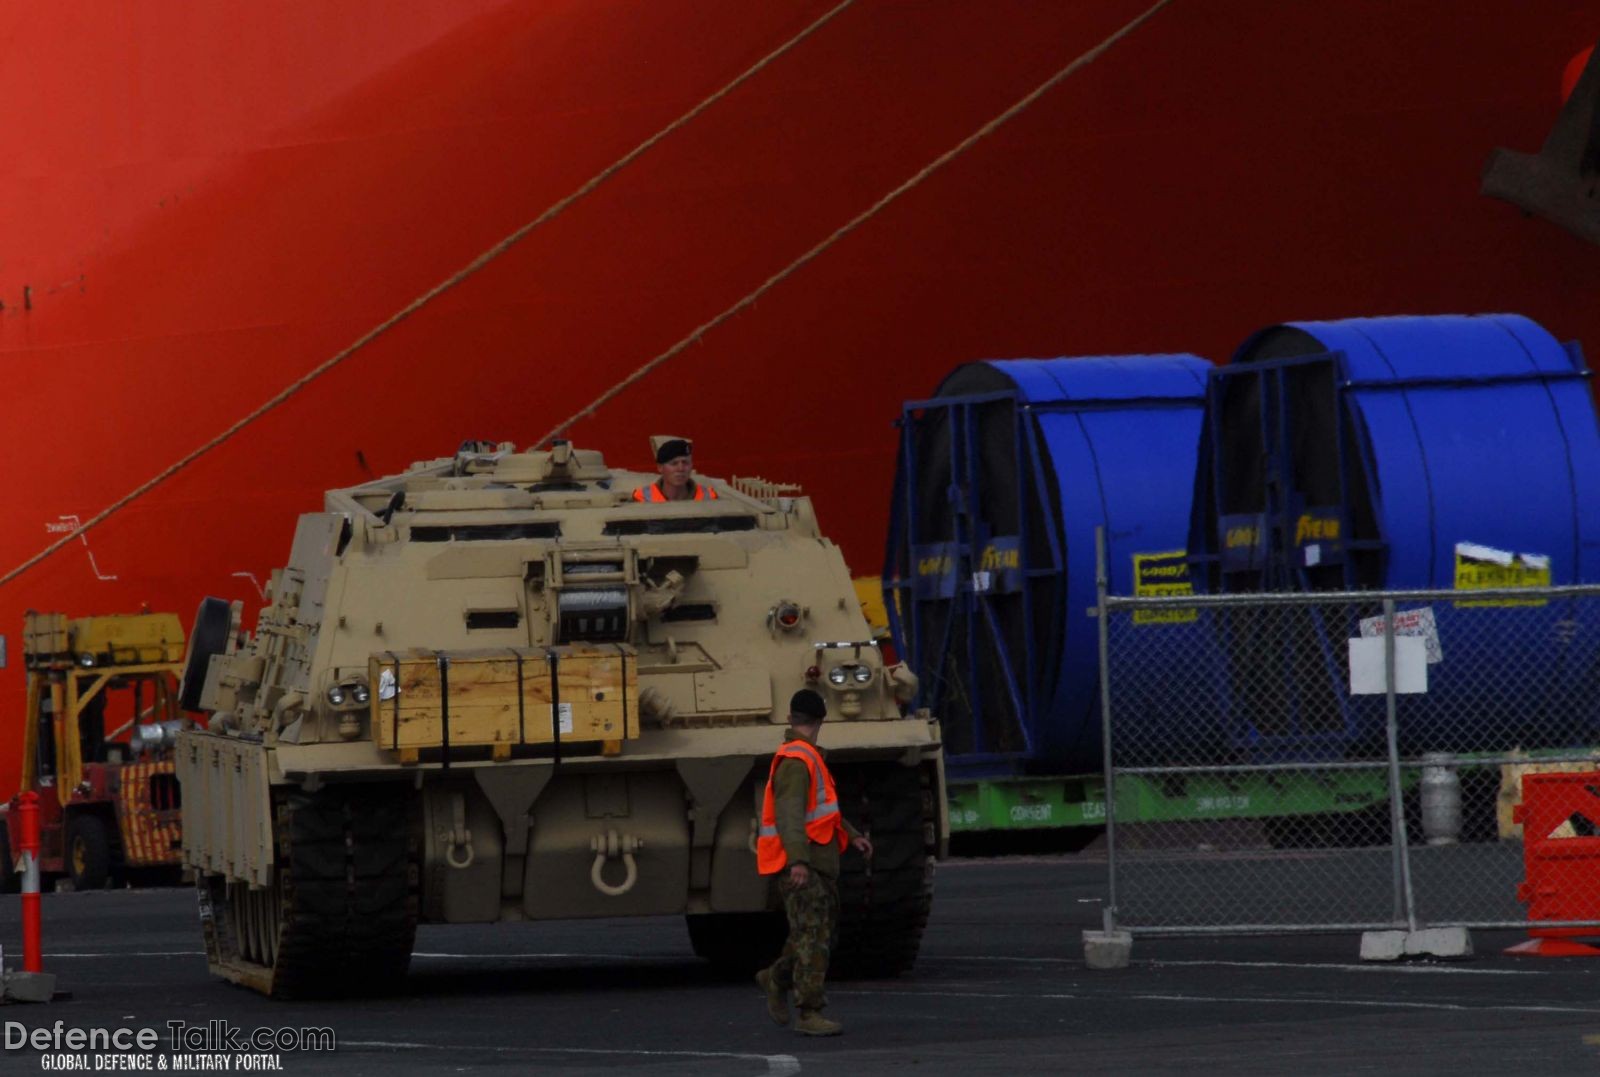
(444, 711)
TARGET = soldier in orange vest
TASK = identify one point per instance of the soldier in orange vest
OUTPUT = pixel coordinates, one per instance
(802, 834)
(675, 458)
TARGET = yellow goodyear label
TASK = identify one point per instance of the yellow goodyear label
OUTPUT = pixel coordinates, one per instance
(1478, 573)
(1237, 537)
(1162, 575)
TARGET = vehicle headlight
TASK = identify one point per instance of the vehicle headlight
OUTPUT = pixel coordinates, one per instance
(86, 660)
(360, 693)
(861, 674)
(837, 675)
(336, 695)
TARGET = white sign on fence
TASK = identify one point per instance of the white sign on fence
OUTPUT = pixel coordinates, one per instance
(1367, 666)
(1409, 623)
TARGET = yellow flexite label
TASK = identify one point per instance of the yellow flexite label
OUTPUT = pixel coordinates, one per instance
(1484, 568)
(1162, 575)
(992, 558)
(1309, 528)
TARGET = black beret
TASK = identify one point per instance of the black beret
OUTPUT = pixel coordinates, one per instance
(807, 704)
(671, 450)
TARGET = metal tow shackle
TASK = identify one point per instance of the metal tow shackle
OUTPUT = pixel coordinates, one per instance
(607, 846)
(459, 853)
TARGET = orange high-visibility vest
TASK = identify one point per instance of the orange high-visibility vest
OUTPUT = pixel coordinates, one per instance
(823, 822)
(653, 493)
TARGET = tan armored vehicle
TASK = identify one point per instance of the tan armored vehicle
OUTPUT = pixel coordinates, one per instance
(497, 688)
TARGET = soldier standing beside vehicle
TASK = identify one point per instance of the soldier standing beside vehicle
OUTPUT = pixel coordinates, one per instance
(675, 458)
(802, 834)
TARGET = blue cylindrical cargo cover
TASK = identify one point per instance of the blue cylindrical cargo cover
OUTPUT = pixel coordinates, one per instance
(1453, 452)
(1121, 434)
(1481, 430)
(1107, 442)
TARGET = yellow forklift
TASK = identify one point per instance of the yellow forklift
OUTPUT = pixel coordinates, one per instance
(109, 804)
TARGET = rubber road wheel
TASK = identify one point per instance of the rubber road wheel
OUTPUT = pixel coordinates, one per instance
(209, 637)
(88, 853)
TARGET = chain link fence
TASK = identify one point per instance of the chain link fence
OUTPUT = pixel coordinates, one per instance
(1350, 760)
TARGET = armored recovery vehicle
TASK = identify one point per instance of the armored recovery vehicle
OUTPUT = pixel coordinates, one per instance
(497, 688)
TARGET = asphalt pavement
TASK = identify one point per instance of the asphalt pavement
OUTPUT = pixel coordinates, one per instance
(1001, 988)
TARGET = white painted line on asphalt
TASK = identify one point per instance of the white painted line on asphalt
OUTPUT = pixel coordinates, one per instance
(1378, 1003)
(777, 1065)
(959, 863)
(1275, 1000)
(1447, 970)
(131, 953)
(675, 958)
(1452, 970)
(1005, 960)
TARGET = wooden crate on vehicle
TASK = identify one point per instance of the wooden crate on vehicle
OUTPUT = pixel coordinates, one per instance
(504, 697)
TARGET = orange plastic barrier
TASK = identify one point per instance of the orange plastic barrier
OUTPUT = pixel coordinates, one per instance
(1561, 872)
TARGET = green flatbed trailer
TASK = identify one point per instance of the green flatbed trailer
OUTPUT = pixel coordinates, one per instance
(1047, 803)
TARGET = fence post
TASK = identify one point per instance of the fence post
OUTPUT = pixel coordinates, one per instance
(1101, 587)
(1404, 903)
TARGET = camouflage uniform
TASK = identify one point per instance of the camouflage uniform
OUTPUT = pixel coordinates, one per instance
(812, 909)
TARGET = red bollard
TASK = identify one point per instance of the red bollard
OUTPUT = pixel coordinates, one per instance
(28, 841)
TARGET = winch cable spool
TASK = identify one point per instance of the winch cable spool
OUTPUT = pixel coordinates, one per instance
(1399, 440)
(1010, 661)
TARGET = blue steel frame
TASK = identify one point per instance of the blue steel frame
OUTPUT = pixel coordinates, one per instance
(1282, 565)
(971, 535)
(1280, 568)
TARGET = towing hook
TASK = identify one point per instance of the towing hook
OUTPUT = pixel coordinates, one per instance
(606, 847)
(459, 853)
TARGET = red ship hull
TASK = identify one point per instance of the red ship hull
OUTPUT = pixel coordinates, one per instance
(202, 202)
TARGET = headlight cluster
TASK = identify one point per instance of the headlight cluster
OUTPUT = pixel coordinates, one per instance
(356, 692)
(843, 675)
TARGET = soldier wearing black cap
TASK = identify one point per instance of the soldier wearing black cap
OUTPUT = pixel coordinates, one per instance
(802, 834)
(675, 458)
